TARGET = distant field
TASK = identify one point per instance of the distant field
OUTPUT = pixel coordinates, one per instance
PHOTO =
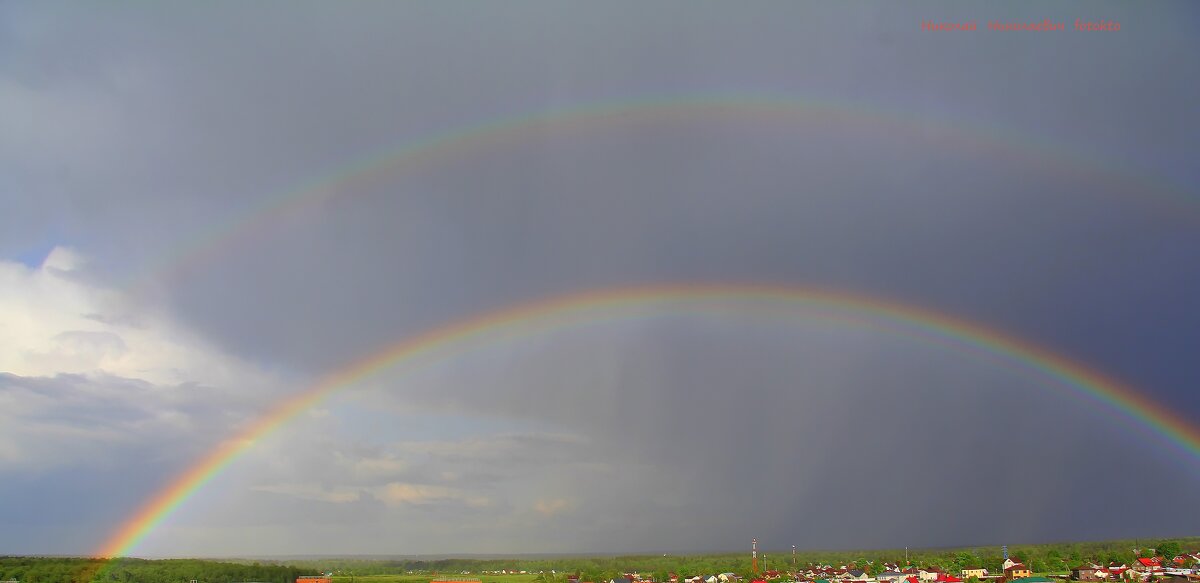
(427, 578)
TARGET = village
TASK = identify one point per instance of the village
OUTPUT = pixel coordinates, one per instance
(1182, 568)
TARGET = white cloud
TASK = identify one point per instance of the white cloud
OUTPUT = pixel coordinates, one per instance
(313, 492)
(54, 323)
(369, 467)
(62, 259)
(552, 506)
(403, 493)
(86, 379)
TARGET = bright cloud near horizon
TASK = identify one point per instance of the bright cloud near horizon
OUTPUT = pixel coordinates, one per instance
(1040, 184)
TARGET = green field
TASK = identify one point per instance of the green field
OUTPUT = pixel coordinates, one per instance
(426, 578)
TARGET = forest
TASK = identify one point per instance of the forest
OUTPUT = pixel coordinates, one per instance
(83, 570)
(1056, 558)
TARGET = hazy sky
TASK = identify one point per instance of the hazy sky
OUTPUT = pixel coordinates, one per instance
(1040, 183)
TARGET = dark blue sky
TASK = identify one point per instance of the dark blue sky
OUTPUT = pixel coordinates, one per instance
(1052, 196)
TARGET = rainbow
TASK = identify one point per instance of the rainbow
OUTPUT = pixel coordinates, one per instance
(355, 176)
(604, 304)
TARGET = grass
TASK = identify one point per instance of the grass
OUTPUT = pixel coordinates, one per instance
(426, 578)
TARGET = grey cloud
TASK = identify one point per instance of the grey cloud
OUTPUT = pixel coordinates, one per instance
(891, 435)
(129, 131)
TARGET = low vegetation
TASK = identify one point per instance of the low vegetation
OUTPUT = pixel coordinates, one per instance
(78, 570)
(1046, 559)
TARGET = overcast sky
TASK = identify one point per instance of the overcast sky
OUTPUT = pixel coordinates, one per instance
(1039, 183)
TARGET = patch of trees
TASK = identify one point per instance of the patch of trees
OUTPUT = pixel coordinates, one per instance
(81, 570)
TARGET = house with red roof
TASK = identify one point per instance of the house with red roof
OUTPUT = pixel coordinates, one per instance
(1148, 565)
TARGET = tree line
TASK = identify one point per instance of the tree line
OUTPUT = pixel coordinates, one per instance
(81, 570)
(1056, 558)
(1044, 559)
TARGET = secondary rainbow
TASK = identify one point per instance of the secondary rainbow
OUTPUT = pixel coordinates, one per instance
(604, 304)
(351, 177)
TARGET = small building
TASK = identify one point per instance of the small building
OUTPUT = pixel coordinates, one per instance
(1016, 571)
(1088, 573)
(977, 572)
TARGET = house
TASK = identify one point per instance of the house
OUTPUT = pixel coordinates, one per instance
(947, 578)
(1089, 573)
(890, 576)
(977, 572)
(855, 575)
(1148, 564)
(1016, 570)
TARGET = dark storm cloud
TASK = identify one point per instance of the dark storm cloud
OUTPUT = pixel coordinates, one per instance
(125, 131)
(853, 429)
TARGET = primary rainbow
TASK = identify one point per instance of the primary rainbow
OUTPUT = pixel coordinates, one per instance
(603, 304)
(350, 177)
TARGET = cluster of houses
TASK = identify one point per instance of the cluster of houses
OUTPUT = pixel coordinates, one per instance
(1013, 571)
(1182, 567)
(1179, 569)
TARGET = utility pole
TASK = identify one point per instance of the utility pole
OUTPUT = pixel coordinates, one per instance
(754, 555)
(793, 557)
